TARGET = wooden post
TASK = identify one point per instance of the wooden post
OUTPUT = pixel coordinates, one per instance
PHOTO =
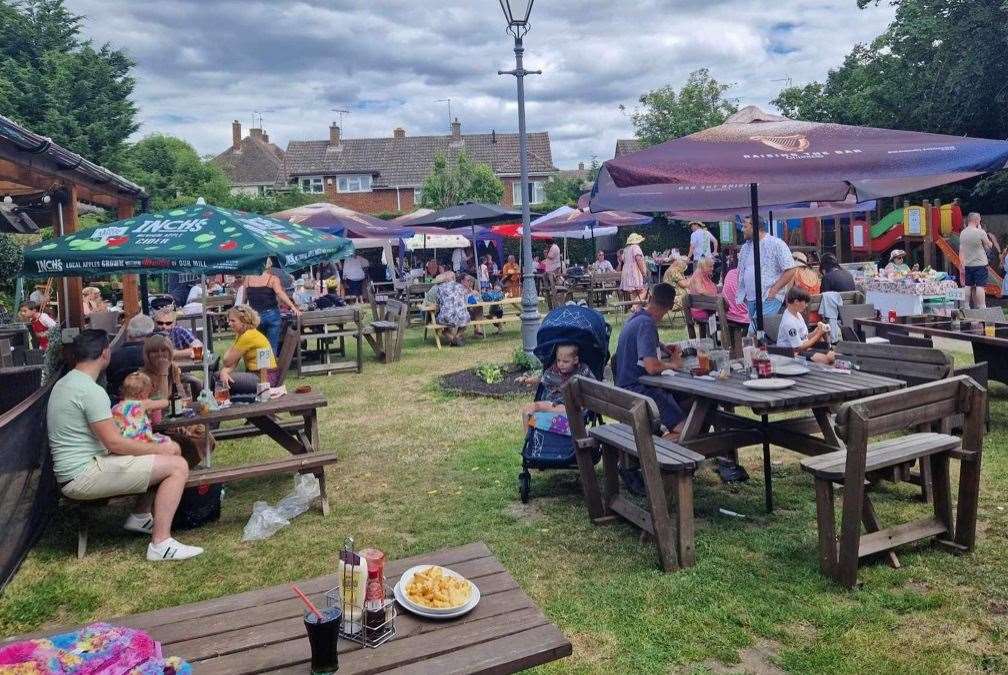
(130, 282)
(71, 303)
(928, 234)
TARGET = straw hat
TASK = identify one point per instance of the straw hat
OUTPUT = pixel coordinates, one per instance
(634, 238)
(800, 257)
(897, 253)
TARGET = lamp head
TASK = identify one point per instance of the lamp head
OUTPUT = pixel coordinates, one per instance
(517, 12)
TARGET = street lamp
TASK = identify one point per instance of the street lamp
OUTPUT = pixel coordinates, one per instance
(518, 25)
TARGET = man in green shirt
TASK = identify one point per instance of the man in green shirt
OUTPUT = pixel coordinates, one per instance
(93, 460)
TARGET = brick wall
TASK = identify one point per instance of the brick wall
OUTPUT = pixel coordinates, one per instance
(376, 201)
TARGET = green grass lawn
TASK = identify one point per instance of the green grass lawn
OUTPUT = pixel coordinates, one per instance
(422, 471)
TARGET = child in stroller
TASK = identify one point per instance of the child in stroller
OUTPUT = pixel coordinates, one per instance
(572, 340)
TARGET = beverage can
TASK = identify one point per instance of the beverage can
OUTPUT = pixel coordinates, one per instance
(990, 330)
(892, 316)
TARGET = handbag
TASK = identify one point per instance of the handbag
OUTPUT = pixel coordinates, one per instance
(200, 504)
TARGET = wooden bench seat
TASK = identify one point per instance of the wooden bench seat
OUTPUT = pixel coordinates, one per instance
(882, 455)
(227, 474)
(671, 456)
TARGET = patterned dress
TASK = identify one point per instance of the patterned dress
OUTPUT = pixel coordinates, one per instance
(132, 420)
(632, 279)
(451, 300)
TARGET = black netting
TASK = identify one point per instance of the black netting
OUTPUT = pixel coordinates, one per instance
(28, 491)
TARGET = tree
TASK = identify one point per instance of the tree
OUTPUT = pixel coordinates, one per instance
(59, 85)
(666, 114)
(173, 173)
(559, 191)
(939, 67)
(466, 181)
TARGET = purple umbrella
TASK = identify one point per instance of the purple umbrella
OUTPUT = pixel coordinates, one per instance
(755, 155)
(345, 222)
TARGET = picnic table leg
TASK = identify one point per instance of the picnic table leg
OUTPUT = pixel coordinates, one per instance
(311, 428)
(767, 473)
(822, 417)
(871, 524)
(826, 522)
(696, 421)
(684, 518)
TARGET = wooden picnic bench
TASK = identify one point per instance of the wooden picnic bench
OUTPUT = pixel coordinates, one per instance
(505, 304)
(666, 466)
(386, 335)
(729, 333)
(329, 328)
(262, 631)
(859, 421)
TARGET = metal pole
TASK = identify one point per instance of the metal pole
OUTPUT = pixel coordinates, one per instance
(757, 272)
(530, 299)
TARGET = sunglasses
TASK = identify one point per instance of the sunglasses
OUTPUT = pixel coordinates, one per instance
(165, 323)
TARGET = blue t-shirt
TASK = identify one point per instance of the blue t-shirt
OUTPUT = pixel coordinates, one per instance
(638, 339)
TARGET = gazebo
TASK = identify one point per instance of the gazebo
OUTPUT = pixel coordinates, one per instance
(53, 182)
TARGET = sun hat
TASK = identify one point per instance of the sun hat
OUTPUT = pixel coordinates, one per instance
(634, 238)
(897, 253)
(800, 257)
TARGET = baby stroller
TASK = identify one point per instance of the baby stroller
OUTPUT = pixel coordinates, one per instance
(568, 324)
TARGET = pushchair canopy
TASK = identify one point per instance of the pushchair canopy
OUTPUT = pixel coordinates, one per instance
(581, 326)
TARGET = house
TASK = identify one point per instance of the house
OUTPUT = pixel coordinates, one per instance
(582, 174)
(381, 175)
(625, 146)
(252, 164)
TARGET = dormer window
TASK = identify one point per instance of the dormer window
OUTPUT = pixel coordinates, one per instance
(355, 183)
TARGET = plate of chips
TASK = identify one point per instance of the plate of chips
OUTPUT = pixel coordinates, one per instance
(436, 592)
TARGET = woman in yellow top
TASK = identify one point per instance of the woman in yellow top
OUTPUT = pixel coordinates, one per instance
(251, 346)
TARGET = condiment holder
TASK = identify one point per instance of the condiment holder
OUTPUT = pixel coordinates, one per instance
(367, 620)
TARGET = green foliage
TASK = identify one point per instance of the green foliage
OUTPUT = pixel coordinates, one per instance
(524, 361)
(11, 257)
(173, 173)
(490, 373)
(271, 202)
(560, 191)
(466, 181)
(58, 84)
(666, 114)
(939, 67)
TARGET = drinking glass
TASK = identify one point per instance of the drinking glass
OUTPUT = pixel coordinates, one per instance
(323, 638)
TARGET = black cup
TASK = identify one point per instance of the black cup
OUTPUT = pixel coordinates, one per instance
(323, 636)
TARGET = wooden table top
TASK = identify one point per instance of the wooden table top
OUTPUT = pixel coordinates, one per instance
(240, 411)
(819, 387)
(192, 366)
(263, 631)
(966, 335)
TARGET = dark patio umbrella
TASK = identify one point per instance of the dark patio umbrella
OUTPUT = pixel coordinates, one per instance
(343, 222)
(755, 156)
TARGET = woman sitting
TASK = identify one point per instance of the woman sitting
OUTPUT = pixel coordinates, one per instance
(675, 276)
(702, 283)
(452, 312)
(169, 384)
(251, 346)
(736, 312)
(92, 301)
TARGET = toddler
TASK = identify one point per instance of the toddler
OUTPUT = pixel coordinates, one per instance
(566, 365)
(130, 413)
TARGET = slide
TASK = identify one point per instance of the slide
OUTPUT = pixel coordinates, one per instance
(993, 287)
(887, 232)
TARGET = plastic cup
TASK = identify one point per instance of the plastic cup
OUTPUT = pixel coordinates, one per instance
(323, 638)
(197, 353)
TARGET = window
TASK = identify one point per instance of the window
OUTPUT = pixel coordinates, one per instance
(536, 189)
(417, 196)
(312, 184)
(360, 183)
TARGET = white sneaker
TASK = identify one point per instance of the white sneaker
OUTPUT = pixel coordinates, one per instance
(170, 549)
(141, 523)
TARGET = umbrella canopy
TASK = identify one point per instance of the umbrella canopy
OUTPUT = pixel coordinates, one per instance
(566, 219)
(198, 239)
(435, 237)
(514, 230)
(781, 211)
(345, 222)
(791, 161)
(463, 215)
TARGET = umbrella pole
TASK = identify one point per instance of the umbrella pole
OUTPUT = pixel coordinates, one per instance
(475, 253)
(594, 243)
(206, 345)
(757, 272)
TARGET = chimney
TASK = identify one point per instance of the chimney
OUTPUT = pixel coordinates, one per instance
(580, 166)
(256, 133)
(236, 134)
(398, 132)
(456, 130)
(334, 134)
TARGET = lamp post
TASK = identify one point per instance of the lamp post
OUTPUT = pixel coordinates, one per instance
(518, 25)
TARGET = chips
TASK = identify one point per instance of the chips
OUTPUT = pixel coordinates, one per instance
(435, 589)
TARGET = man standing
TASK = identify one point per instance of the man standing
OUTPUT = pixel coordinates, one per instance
(974, 244)
(777, 269)
(701, 242)
(554, 264)
(40, 322)
(354, 275)
(93, 460)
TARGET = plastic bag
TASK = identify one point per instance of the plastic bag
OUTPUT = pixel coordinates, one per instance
(266, 520)
(306, 490)
(264, 523)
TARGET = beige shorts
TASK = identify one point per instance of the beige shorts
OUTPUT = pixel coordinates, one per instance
(111, 475)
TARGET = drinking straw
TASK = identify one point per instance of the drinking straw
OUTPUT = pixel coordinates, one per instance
(306, 601)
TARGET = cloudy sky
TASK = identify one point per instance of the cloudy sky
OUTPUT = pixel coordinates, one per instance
(202, 63)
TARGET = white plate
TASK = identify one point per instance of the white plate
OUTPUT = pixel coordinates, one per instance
(430, 612)
(769, 383)
(790, 369)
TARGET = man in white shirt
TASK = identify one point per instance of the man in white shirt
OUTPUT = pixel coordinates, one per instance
(777, 270)
(974, 244)
(354, 275)
(601, 265)
(701, 242)
(794, 332)
(553, 261)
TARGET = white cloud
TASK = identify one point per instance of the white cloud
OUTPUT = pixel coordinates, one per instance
(202, 63)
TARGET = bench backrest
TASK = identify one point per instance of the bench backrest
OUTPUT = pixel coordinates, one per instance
(850, 312)
(397, 312)
(716, 305)
(322, 317)
(287, 348)
(848, 297)
(913, 365)
(984, 314)
(771, 326)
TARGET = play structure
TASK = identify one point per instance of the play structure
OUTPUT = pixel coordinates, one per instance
(921, 230)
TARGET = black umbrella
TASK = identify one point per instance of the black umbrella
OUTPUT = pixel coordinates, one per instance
(468, 215)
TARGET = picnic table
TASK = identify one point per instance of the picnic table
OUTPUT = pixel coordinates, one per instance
(475, 309)
(298, 437)
(262, 631)
(818, 390)
(992, 349)
(194, 366)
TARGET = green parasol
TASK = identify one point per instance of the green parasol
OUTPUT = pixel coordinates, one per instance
(198, 239)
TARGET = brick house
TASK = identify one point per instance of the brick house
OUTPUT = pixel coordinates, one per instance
(252, 164)
(626, 146)
(381, 175)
